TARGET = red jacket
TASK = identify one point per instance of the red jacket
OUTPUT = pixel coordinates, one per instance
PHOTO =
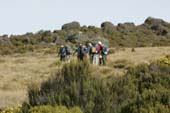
(99, 48)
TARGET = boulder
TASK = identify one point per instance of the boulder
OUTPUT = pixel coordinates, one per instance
(153, 21)
(158, 25)
(107, 24)
(126, 27)
(57, 39)
(71, 26)
(4, 39)
(108, 27)
(160, 29)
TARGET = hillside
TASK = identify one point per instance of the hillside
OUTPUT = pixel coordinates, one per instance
(131, 81)
(18, 71)
(153, 32)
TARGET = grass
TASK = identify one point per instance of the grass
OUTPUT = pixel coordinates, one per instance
(142, 55)
(18, 71)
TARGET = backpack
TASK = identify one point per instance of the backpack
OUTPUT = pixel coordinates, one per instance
(63, 51)
(80, 51)
(68, 51)
(93, 50)
(104, 50)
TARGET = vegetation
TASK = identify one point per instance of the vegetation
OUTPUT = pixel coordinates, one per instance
(43, 109)
(56, 109)
(153, 32)
(16, 109)
(77, 87)
(143, 89)
(18, 71)
(165, 60)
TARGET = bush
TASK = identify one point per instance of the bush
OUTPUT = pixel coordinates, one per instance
(73, 86)
(165, 60)
(6, 49)
(143, 89)
(16, 109)
(56, 109)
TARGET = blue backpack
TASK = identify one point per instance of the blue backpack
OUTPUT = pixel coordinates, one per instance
(104, 50)
(63, 51)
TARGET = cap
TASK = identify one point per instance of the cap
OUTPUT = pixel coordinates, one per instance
(99, 42)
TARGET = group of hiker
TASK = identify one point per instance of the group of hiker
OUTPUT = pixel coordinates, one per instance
(96, 52)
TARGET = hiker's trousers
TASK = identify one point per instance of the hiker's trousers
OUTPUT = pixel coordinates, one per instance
(95, 59)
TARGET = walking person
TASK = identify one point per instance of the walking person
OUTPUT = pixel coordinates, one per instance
(68, 53)
(97, 48)
(81, 52)
(89, 52)
(104, 53)
(62, 53)
(94, 54)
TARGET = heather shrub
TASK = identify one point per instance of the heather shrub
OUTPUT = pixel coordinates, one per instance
(144, 88)
(54, 109)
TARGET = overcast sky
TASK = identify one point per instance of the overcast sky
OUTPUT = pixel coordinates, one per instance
(21, 16)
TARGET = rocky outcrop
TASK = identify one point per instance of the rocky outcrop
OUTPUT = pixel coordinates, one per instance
(126, 27)
(160, 29)
(159, 26)
(4, 39)
(108, 27)
(153, 21)
(71, 26)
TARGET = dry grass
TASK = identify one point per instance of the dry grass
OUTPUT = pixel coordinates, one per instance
(142, 55)
(20, 70)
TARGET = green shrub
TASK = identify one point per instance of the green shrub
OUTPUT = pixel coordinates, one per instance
(143, 89)
(55, 109)
(73, 86)
(6, 49)
(16, 109)
(75, 110)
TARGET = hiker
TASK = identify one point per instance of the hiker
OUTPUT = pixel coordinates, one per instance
(99, 49)
(89, 46)
(89, 54)
(81, 52)
(104, 53)
(68, 52)
(62, 53)
(97, 53)
(93, 54)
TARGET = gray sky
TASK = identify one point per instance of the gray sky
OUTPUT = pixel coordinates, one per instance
(21, 16)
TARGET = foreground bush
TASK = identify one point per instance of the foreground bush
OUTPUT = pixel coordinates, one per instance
(16, 109)
(165, 60)
(144, 89)
(56, 109)
(73, 86)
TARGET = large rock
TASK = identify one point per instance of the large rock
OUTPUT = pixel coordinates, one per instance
(126, 27)
(158, 25)
(160, 29)
(71, 26)
(4, 39)
(153, 21)
(108, 27)
(57, 39)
